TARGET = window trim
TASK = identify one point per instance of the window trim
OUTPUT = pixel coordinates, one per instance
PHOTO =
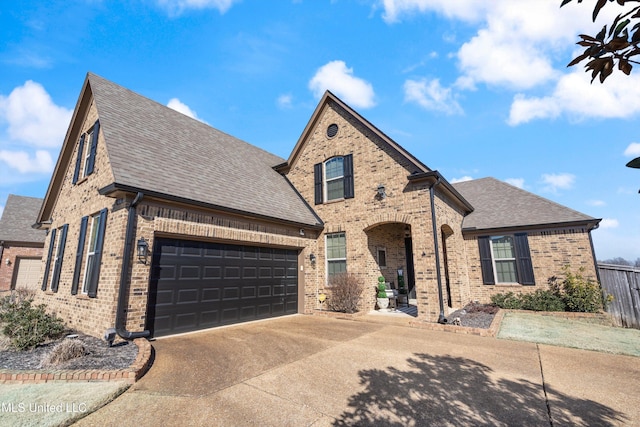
(525, 274)
(326, 180)
(87, 153)
(495, 260)
(381, 249)
(93, 235)
(59, 241)
(335, 260)
(320, 192)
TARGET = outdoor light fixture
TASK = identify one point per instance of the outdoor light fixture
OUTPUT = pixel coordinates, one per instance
(142, 250)
(312, 258)
(8, 261)
(381, 191)
(302, 231)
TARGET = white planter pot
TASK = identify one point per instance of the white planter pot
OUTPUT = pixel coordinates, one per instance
(383, 303)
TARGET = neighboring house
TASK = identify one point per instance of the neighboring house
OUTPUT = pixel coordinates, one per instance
(160, 223)
(20, 244)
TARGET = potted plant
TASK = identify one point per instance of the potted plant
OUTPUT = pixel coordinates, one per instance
(382, 299)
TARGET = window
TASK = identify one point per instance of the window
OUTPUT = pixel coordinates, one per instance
(54, 258)
(86, 158)
(382, 257)
(506, 259)
(87, 153)
(334, 179)
(96, 225)
(336, 253)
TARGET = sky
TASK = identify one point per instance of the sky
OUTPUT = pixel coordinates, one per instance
(470, 87)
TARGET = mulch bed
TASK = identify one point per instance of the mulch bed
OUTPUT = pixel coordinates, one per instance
(474, 315)
(98, 355)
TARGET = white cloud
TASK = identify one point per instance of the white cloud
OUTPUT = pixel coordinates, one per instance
(431, 95)
(285, 101)
(466, 10)
(336, 77)
(517, 44)
(176, 7)
(575, 96)
(516, 182)
(32, 117)
(596, 203)
(24, 163)
(609, 223)
(633, 150)
(176, 104)
(562, 181)
(461, 179)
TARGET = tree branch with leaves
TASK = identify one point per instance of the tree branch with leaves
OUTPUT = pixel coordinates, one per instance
(619, 44)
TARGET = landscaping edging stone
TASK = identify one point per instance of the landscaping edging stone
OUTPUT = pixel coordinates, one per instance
(130, 375)
(492, 331)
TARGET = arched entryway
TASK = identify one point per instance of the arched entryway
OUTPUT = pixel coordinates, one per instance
(390, 254)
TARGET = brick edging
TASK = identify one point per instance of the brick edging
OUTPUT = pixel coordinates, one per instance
(130, 375)
(492, 331)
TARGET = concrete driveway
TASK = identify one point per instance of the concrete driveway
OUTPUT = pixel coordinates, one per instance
(313, 371)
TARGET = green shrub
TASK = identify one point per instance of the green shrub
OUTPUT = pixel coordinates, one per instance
(382, 288)
(508, 301)
(577, 292)
(346, 292)
(542, 300)
(28, 326)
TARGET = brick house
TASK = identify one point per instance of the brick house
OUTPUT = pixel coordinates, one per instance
(20, 245)
(159, 224)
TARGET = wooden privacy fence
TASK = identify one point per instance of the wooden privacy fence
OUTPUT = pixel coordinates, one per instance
(624, 284)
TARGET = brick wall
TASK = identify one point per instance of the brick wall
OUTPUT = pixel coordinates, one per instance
(369, 221)
(550, 250)
(13, 253)
(95, 315)
(90, 315)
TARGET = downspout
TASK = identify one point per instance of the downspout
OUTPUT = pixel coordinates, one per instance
(441, 318)
(1, 250)
(593, 254)
(126, 257)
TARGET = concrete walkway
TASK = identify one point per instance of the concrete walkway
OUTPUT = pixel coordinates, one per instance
(313, 371)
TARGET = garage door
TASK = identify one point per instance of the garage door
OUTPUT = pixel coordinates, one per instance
(28, 273)
(198, 285)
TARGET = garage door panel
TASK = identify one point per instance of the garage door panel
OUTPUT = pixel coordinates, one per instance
(197, 285)
(188, 296)
(27, 274)
(210, 294)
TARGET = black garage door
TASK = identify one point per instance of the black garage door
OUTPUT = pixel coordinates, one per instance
(198, 285)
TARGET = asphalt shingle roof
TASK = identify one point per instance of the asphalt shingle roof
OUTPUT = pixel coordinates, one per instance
(19, 214)
(501, 205)
(155, 148)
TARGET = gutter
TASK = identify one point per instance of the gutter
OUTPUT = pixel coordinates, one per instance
(441, 318)
(122, 296)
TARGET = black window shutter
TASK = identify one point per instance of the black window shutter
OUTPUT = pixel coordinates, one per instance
(76, 172)
(94, 143)
(523, 258)
(348, 176)
(79, 252)
(58, 265)
(92, 289)
(317, 176)
(52, 242)
(486, 262)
